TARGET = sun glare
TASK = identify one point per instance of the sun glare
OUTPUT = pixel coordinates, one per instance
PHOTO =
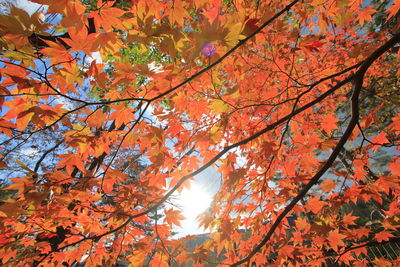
(194, 201)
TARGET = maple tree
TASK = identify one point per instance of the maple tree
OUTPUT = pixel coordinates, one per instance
(294, 102)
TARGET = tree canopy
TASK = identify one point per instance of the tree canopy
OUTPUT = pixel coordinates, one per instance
(110, 107)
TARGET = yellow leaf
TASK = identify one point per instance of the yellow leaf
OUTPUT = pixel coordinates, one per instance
(218, 106)
(234, 34)
(26, 168)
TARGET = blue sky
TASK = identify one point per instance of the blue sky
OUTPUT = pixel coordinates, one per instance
(204, 186)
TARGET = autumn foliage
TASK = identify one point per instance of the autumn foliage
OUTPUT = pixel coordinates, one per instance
(110, 107)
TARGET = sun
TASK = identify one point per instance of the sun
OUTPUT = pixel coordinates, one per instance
(194, 201)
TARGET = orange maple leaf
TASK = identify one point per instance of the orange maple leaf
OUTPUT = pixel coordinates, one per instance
(365, 15)
(178, 13)
(57, 52)
(335, 239)
(80, 40)
(393, 9)
(349, 219)
(122, 115)
(314, 204)
(383, 236)
(107, 16)
(328, 185)
(70, 161)
(173, 217)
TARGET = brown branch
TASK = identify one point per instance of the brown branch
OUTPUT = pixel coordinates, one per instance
(45, 154)
(358, 78)
(219, 60)
(369, 244)
(215, 159)
(230, 51)
(212, 161)
(39, 40)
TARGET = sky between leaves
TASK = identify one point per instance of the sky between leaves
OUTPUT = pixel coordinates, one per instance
(294, 104)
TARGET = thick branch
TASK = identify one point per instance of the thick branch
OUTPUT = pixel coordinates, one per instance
(369, 244)
(358, 78)
(39, 40)
(45, 154)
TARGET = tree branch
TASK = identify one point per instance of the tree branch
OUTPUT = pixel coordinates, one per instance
(358, 78)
